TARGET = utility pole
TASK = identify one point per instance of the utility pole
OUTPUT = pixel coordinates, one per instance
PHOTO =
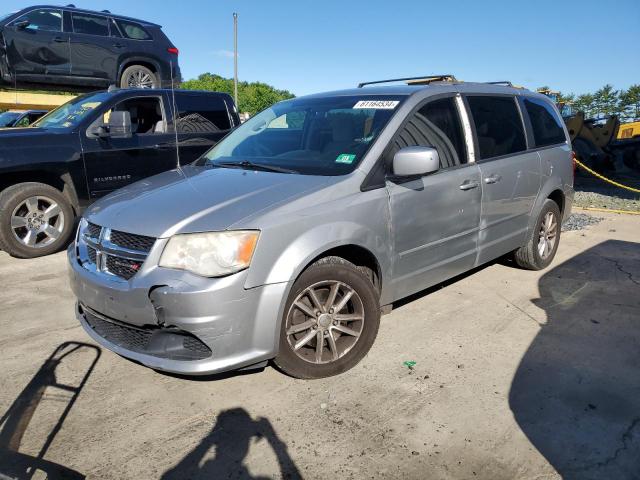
(235, 58)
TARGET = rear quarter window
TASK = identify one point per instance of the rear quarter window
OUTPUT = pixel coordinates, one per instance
(498, 125)
(547, 127)
(134, 31)
(201, 114)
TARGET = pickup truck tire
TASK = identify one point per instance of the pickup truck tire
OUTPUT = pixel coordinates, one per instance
(542, 244)
(35, 220)
(139, 76)
(330, 320)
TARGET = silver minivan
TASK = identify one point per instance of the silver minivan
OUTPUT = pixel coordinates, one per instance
(289, 238)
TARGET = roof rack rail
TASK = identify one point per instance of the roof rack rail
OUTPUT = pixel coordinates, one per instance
(424, 80)
(501, 82)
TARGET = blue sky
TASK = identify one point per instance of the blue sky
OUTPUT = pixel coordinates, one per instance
(306, 47)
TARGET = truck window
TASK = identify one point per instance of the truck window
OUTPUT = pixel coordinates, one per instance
(43, 19)
(201, 114)
(546, 126)
(437, 124)
(146, 115)
(498, 125)
(133, 30)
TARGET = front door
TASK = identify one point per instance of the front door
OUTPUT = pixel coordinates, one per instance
(510, 174)
(434, 219)
(94, 53)
(37, 45)
(112, 163)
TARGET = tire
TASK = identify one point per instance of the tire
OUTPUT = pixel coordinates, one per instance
(35, 220)
(529, 256)
(336, 330)
(138, 76)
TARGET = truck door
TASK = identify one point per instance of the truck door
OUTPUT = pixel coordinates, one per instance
(37, 45)
(112, 163)
(94, 53)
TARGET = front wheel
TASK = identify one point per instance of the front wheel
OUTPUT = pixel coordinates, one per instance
(330, 322)
(35, 220)
(138, 76)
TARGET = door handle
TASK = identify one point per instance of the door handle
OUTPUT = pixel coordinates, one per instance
(118, 45)
(59, 40)
(492, 179)
(469, 185)
(164, 146)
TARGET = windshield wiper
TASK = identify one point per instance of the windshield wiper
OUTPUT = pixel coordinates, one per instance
(246, 165)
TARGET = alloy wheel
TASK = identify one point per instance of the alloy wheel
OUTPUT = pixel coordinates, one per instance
(37, 222)
(548, 235)
(325, 322)
(139, 79)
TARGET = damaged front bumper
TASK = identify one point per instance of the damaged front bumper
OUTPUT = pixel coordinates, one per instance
(178, 322)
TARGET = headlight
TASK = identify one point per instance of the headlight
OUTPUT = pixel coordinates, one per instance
(211, 254)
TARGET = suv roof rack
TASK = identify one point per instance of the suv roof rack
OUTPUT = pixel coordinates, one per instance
(424, 80)
(501, 82)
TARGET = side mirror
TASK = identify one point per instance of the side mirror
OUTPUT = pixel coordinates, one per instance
(120, 124)
(415, 161)
(22, 24)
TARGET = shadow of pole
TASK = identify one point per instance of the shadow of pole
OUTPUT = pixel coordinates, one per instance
(231, 436)
(576, 392)
(16, 420)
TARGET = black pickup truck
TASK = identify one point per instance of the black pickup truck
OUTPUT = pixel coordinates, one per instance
(94, 144)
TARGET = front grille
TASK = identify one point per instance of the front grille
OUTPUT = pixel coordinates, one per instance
(93, 230)
(91, 253)
(175, 344)
(122, 267)
(132, 241)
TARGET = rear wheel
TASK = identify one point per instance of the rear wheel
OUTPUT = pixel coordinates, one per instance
(35, 220)
(543, 240)
(331, 320)
(138, 76)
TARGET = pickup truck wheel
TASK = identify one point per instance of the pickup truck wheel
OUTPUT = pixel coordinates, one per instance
(137, 76)
(35, 220)
(543, 240)
(331, 320)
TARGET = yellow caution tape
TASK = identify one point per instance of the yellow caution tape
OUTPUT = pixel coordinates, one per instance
(610, 210)
(602, 177)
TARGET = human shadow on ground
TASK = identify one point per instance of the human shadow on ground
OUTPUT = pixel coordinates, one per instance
(231, 436)
(576, 392)
(72, 361)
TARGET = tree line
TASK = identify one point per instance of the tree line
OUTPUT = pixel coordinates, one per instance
(607, 101)
(253, 97)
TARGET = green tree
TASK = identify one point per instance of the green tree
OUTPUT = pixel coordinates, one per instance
(630, 104)
(585, 103)
(253, 97)
(606, 101)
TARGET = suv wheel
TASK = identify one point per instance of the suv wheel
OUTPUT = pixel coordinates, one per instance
(35, 220)
(331, 320)
(543, 241)
(137, 76)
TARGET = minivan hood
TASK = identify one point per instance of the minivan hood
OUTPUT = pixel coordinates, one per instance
(197, 199)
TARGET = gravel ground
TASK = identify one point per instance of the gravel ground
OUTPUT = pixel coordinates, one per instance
(595, 193)
(580, 221)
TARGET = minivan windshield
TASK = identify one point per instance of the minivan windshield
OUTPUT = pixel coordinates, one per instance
(312, 136)
(73, 112)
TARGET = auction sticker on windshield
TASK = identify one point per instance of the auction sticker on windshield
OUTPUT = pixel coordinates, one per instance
(347, 158)
(377, 104)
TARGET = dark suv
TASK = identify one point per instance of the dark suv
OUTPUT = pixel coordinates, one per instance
(70, 46)
(93, 145)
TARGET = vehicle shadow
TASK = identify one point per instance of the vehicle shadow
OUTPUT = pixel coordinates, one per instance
(231, 438)
(576, 392)
(57, 383)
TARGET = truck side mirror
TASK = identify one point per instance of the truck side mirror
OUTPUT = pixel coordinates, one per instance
(22, 24)
(415, 161)
(120, 124)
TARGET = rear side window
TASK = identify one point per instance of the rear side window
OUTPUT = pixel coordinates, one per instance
(201, 114)
(498, 125)
(133, 31)
(546, 126)
(90, 24)
(437, 124)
